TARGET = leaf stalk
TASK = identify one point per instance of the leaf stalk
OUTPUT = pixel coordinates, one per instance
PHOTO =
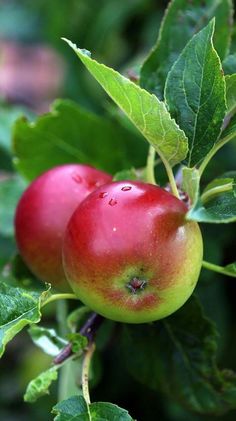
(218, 269)
(150, 175)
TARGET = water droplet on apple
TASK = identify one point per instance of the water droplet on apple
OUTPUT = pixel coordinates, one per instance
(103, 194)
(126, 188)
(112, 202)
(77, 178)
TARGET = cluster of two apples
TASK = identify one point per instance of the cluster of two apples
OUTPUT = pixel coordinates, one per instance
(124, 247)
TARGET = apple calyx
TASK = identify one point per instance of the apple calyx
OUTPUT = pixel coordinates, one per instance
(136, 285)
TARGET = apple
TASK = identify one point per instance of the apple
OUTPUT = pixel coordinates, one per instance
(42, 215)
(129, 253)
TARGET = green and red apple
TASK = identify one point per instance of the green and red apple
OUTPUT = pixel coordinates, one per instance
(130, 254)
(43, 213)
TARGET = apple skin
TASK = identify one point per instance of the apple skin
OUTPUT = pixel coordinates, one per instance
(42, 215)
(130, 255)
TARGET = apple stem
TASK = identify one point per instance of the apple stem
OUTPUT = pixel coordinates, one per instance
(150, 176)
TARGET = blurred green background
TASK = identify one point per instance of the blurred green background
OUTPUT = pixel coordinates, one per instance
(36, 67)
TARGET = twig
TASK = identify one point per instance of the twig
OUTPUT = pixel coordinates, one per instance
(88, 330)
(85, 371)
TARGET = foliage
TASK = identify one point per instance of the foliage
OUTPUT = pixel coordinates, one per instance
(182, 103)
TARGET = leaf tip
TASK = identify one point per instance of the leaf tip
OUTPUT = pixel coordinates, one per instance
(70, 43)
(212, 24)
(78, 50)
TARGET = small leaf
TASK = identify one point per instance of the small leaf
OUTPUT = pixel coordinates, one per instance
(108, 412)
(71, 134)
(190, 185)
(76, 408)
(79, 342)
(11, 188)
(195, 93)
(231, 92)
(178, 356)
(219, 199)
(147, 113)
(221, 210)
(131, 174)
(182, 20)
(47, 339)
(39, 386)
(231, 268)
(222, 181)
(216, 187)
(19, 307)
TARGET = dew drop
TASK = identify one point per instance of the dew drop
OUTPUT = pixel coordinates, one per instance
(126, 188)
(103, 194)
(112, 202)
(77, 178)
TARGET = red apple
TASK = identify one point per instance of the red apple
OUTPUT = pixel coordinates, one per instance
(130, 254)
(43, 213)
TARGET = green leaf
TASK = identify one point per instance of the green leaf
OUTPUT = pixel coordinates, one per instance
(178, 355)
(76, 408)
(229, 64)
(222, 181)
(40, 385)
(102, 411)
(71, 134)
(190, 185)
(195, 93)
(230, 81)
(79, 342)
(231, 268)
(19, 307)
(47, 339)
(11, 188)
(216, 187)
(131, 174)
(8, 115)
(182, 20)
(220, 210)
(218, 202)
(147, 113)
